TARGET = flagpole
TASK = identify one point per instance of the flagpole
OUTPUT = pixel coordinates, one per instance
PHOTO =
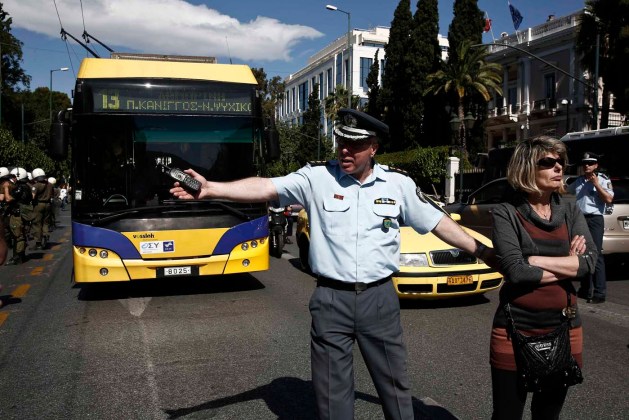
(491, 27)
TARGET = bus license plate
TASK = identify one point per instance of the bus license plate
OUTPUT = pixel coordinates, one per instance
(177, 271)
(456, 280)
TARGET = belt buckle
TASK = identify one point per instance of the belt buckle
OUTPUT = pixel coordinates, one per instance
(360, 287)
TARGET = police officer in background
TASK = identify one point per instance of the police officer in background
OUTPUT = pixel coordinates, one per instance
(42, 197)
(5, 234)
(19, 197)
(593, 191)
(355, 207)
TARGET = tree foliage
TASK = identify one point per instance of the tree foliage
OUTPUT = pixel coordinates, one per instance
(467, 25)
(310, 130)
(373, 95)
(394, 94)
(467, 76)
(271, 91)
(610, 20)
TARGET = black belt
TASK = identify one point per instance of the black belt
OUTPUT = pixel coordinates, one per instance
(593, 215)
(353, 287)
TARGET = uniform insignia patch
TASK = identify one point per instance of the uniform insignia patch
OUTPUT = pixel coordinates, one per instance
(384, 201)
(338, 196)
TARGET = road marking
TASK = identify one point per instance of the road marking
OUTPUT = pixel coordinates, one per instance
(37, 271)
(135, 306)
(48, 257)
(3, 317)
(20, 291)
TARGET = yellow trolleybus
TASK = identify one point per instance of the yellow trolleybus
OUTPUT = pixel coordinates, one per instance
(132, 115)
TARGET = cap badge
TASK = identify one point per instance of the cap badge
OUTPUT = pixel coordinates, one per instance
(350, 121)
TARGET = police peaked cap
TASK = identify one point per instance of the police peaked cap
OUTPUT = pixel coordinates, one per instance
(589, 157)
(354, 125)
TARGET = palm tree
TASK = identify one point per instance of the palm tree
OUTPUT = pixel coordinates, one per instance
(337, 100)
(468, 75)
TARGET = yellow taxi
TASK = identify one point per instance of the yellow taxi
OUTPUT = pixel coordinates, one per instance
(429, 267)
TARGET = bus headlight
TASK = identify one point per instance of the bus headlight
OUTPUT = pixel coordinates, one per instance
(92, 252)
(254, 244)
(245, 246)
(104, 253)
(104, 271)
(245, 263)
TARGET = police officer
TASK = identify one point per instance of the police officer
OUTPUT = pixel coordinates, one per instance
(42, 193)
(355, 207)
(19, 198)
(593, 191)
(5, 234)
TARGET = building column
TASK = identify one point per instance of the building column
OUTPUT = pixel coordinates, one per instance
(526, 106)
(505, 87)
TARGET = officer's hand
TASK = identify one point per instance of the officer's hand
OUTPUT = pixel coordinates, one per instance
(179, 192)
(489, 257)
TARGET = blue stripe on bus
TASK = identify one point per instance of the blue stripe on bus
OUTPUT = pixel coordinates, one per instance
(90, 236)
(257, 228)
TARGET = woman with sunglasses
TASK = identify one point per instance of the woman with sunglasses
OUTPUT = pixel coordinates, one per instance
(543, 244)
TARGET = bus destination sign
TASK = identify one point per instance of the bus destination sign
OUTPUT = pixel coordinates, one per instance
(148, 99)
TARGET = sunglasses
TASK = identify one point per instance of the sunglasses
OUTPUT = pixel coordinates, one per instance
(549, 162)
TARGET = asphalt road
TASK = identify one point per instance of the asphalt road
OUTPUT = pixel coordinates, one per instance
(237, 347)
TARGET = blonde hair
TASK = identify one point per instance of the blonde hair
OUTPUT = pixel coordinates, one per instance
(523, 164)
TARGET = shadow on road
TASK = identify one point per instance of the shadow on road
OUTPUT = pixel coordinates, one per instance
(168, 287)
(293, 398)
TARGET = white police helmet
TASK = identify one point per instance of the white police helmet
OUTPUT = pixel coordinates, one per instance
(29, 176)
(20, 173)
(52, 180)
(38, 173)
(4, 172)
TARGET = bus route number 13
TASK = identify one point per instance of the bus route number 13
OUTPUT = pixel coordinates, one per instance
(111, 99)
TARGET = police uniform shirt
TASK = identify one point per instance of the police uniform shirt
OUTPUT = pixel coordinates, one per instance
(354, 227)
(588, 200)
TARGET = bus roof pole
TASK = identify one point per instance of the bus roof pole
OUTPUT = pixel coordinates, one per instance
(64, 34)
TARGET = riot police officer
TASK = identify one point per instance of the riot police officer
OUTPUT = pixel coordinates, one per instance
(19, 197)
(42, 197)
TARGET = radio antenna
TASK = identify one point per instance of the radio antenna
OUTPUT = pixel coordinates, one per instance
(228, 51)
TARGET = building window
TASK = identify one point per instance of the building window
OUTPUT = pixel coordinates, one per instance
(512, 98)
(339, 69)
(550, 88)
(347, 75)
(330, 82)
(294, 104)
(365, 66)
(303, 96)
(321, 86)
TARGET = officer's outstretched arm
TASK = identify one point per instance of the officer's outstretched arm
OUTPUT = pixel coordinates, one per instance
(248, 190)
(450, 232)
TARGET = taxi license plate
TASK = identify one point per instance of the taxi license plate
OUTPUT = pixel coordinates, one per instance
(177, 271)
(456, 280)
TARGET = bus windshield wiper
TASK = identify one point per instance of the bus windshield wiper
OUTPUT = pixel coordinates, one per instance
(223, 205)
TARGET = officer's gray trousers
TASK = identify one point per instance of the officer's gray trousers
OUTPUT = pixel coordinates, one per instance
(372, 318)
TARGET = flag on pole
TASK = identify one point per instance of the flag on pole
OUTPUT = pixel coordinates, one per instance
(487, 27)
(516, 16)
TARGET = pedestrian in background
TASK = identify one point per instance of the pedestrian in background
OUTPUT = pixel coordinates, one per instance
(593, 191)
(355, 207)
(42, 198)
(544, 244)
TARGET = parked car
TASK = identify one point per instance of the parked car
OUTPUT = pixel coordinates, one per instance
(429, 268)
(476, 213)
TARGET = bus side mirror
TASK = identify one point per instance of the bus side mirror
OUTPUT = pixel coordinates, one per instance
(59, 136)
(271, 140)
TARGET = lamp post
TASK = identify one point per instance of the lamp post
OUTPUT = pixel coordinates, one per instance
(50, 96)
(566, 102)
(455, 126)
(349, 52)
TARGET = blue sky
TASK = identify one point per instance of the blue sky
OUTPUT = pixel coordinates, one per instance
(278, 35)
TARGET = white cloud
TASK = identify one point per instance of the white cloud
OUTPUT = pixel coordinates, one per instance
(163, 26)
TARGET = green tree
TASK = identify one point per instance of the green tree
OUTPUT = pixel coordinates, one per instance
(422, 58)
(467, 25)
(373, 95)
(338, 100)
(470, 74)
(394, 94)
(14, 79)
(271, 91)
(310, 129)
(609, 20)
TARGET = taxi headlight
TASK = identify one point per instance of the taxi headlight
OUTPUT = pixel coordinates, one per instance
(413, 260)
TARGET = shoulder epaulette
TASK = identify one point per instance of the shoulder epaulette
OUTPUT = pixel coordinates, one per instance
(603, 175)
(318, 162)
(394, 169)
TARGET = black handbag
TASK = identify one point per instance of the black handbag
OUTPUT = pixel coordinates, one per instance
(544, 362)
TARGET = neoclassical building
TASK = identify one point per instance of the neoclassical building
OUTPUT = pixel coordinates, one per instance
(330, 67)
(538, 96)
